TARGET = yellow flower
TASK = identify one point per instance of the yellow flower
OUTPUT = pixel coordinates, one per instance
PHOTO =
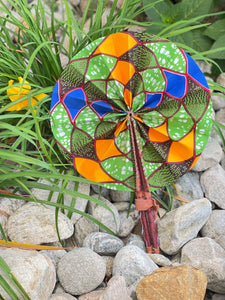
(16, 92)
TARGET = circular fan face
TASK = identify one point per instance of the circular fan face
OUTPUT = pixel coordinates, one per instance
(131, 72)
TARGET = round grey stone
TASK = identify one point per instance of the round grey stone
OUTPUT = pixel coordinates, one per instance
(83, 228)
(103, 243)
(120, 196)
(116, 289)
(213, 185)
(81, 271)
(104, 192)
(181, 225)
(160, 259)
(80, 204)
(215, 227)
(133, 264)
(8, 205)
(35, 224)
(218, 101)
(188, 186)
(54, 255)
(35, 272)
(126, 224)
(136, 240)
(211, 156)
(109, 265)
(205, 254)
(221, 79)
(124, 206)
(106, 217)
(204, 67)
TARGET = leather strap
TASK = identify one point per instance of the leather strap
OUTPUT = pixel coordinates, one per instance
(144, 204)
(152, 250)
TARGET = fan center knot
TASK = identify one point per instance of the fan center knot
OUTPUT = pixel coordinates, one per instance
(133, 115)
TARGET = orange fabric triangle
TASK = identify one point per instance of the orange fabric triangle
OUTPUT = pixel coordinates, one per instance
(91, 170)
(159, 134)
(123, 72)
(138, 118)
(120, 127)
(116, 44)
(183, 149)
(106, 149)
(128, 97)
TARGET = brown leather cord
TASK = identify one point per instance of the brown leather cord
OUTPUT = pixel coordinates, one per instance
(152, 250)
(144, 202)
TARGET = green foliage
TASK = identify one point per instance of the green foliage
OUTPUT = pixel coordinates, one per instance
(218, 48)
(188, 22)
(216, 32)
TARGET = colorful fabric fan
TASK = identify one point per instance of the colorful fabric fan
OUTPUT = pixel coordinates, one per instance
(133, 112)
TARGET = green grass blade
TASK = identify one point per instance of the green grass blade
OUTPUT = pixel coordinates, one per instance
(4, 284)
(25, 160)
(186, 29)
(3, 233)
(5, 268)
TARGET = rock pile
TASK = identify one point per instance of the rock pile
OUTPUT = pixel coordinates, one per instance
(105, 266)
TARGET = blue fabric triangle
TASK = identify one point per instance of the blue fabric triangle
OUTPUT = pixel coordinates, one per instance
(55, 95)
(195, 72)
(152, 100)
(101, 108)
(175, 84)
(75, 101)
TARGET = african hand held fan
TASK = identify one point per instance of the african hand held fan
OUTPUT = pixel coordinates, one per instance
(133, 112)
